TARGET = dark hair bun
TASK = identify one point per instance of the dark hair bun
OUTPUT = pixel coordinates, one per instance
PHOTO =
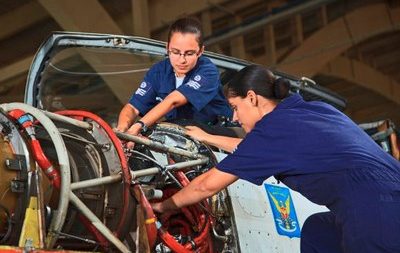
(281, 88)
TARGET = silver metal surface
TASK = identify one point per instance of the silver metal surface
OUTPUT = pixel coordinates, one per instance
(97, 223)
(156, 145)
(69, 120)
(59, 217)
(96, 182)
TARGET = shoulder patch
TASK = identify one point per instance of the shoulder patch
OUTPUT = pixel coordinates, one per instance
(193, 84)
(143, 85)
(141, 92)
(197, 78)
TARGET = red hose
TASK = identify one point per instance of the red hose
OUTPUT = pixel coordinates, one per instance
(47, 167)
(202, 242)
(149, 216)
(45, 164)
(124, 164)
(170, 241)
(185, 227)
(39, 156)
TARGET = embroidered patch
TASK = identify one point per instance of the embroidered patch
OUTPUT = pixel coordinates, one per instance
(141, 92)
(282, 206)
(193, 84)
(197, 78)
(143, 85)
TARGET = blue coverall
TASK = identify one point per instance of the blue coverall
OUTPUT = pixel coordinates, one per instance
(318, 151)
(201, 87)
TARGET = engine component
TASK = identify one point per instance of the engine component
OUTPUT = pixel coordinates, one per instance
(68, 174)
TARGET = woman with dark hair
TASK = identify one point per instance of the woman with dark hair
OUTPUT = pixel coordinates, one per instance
(186, 85)
(313, 149)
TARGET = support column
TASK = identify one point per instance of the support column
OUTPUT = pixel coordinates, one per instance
(298, 33)
(237, 43)
(270, 49)
(140, 18)
(207, 30)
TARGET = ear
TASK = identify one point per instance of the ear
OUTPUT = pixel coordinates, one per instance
(252, 96)
(201, 51)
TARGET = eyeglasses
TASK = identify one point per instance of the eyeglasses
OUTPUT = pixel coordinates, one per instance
(186, 55)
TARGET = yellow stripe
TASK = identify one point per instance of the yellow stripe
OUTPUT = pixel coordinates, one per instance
(149, 221)
(30, 227)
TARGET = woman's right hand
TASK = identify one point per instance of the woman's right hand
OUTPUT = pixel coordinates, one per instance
(197, 133)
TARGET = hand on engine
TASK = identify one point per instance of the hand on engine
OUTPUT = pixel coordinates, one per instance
(197, 133)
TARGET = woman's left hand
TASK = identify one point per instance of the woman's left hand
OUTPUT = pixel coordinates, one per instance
(197, 133)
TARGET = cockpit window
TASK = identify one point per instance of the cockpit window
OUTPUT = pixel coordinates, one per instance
(100, 80)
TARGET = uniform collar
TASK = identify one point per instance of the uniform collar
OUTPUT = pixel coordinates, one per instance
(290, 101)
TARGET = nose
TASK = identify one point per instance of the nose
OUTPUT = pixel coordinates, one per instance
(235, 116)
(182, 58)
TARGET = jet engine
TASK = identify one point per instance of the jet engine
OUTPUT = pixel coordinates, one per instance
(69, 182)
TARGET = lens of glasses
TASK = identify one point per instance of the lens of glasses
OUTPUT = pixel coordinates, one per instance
(178, 54)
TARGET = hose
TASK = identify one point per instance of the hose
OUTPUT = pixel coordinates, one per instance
(59, 218)
(149, 216)
(202, 242)
(25, 121)
(124, 164)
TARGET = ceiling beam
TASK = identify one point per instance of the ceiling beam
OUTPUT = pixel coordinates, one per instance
(363, 75)
(87, 16)
(240, 30)
(337, 37)
(164, 12)
(83, 16)
(21, 18)
(373, 113)
(15, 69)
(140, 18)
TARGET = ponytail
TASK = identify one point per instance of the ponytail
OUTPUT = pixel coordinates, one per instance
(259, 79)
(281, 88)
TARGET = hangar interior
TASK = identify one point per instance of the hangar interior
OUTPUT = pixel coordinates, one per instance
(350, 47)
(104, 189)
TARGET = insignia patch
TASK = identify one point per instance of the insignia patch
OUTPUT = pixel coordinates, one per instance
(195, 85)
(143, 85)
(197, 78)
(282, 206)
(141, 92)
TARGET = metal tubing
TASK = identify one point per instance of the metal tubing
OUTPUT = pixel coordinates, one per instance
(59, 217)
(145, 172)
(97, 223)
(157, 145)
(96, 182)
(75, 122)
(186, 164)
(176, 166)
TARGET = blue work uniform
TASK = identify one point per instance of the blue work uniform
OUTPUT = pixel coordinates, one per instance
(318, 151)
(201, 87)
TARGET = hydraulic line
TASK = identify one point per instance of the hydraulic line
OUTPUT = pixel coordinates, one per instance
(126, 176)
(25, 121)
(150, 218)
(201, 243)
(58, 219)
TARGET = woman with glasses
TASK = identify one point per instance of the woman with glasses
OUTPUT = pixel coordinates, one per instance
(313, 149)
(186, 85)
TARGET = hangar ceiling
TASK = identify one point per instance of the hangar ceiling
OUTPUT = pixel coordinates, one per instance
(350, 47)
